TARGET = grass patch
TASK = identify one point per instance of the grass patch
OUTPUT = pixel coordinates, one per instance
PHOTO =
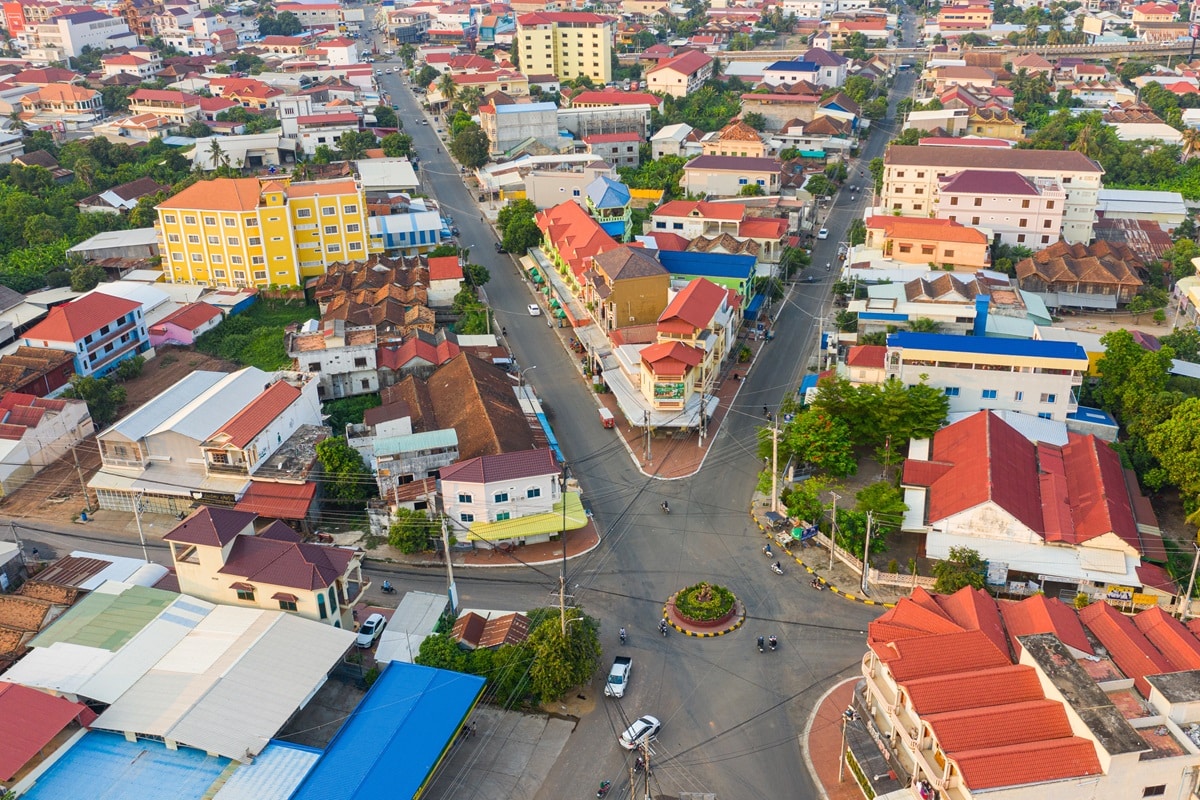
(704, 602)
(346, 410)
(254, 338)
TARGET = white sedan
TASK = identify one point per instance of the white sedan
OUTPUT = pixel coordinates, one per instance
(534, 311)
(369, 631)
(643, 730)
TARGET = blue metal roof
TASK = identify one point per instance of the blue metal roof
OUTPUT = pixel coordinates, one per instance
(793, 66)
(391, 743)
(525, 108)
(1032, 348)
(604, 192)
(707, 265)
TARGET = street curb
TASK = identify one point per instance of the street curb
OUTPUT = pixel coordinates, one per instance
(812, 718)
(812, 571)
(456, 565)
(741, 620)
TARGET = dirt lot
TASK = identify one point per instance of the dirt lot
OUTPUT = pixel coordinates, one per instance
(55, 493)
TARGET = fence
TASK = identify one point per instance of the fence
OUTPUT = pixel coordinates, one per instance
(874, 576)
(653, 195)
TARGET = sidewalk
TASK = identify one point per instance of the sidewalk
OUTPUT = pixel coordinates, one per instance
(579, 542)
(823, 749)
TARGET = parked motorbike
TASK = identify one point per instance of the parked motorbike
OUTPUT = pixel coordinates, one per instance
(816, 584)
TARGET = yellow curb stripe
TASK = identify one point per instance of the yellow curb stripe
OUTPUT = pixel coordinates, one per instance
(813, 571)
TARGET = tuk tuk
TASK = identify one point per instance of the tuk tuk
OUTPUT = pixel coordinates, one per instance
(607, 419)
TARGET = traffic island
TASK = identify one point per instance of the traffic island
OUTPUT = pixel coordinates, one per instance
(704, 610)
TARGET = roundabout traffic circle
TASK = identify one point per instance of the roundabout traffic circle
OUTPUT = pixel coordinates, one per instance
(704, 610)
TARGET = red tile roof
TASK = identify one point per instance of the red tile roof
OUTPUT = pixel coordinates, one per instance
(604, 138)
(1126, 645)
(975, 610)
(575, 234)
(693, 308)
(395, 358)
(1171, 637)
(191, 316)
(503, 467)
(29, 721)
(924, 656)
(687, 63)
(262, 410)
(1099, 499)
(278, 500)
(671, 359)
(75, 320)
(211, 527)
(1154, 576)
(615, 98)
(1041, 614)
(669, 241)
(165, 96)
(445, 268)
(1000, 725)
(1027, 763)
(763, 228)
(998, 686)
(701, 209)
(942, 230)
(565, 17)
(870, 356)
(275, 557)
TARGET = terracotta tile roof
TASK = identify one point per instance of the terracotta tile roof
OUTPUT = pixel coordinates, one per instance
(687, 63)
(943, 286)
(564, 17)
(1099, 499)
(669, 241)
(516, 465)
(1041, 614)
(921, 657)
(21, 613)
(1156, 577)
(1126, 645)
(218, 194)
(273, 557)
(1101, 262)
(64, 93)
(79, 318)
(29, 722)
(248, 423)
(1028, 763)
(931, 229)
(1000, 725)
(870, 356)
(42, 77)
(445, 268)
(763, 228)
(278, 500)
(322, 188)
(1171, 637)
(608, 97)
(701, 209)
(210, 527)
(576, 236)
(165, 96)
(414, 349)
(692, 308)
(997, 686)
(671, 359)
(975, 610)
(191, 316)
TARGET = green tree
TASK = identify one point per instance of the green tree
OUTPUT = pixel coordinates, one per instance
(412, 531)
(396, 145)
(354, 145)
(471, 147)
(441, 651)
(347, 479)
(924, 325)
(283, 24)
(130, 368)
(447, 87)
(1185, 342)
(476, 274)
(964, 567)
(1176, 444)
(102, 395)
(323, 154)
(819, 439)
(819, 186)
(513, 210)
(197, 130)
(425, 76)
(751, 190)
(86, 277)
(385, 117)
(561, 663)
(885, 501)
(804, 502)
(755, 120)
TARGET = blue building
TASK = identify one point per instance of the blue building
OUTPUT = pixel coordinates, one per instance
(608, 201)
(101, 330)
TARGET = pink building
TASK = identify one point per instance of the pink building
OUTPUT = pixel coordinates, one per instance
(185, 325)
(1019, 210)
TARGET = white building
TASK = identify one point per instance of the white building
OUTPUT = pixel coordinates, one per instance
(69, 34)
(342, 358)
(977, 373)
(35, 432)
(1020, 211)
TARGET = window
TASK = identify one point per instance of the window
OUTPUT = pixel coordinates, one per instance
(331, 230)
(500, 497)
(503, 515)
(355, 246)
(328, 211)
(464, 498)
(254, 241)
(333, 248)
(197, 257)
(1045, 415)
(218, 273)
(245, 594)
(350, 209)
(235, 259)
(230, 221)
(1155, 791)
(257, 260)
(218, 259)
(188, 219)
(321, 606)
(210, 220)
(353, 227)
(974, 220)
(953, 201)
(949, 254)
(1018, 396)
(232, 241)
(917, 206)
(951, 391)
(1049, 205)
(1024, 204)
(287, 605)
(899, 190)
(193, 239)
(978, 202)
(989, 394)
(360, 362)
(1023, 223)
(1045, 240)
(214, 239)
(303, 213)
(251, 223)
(173, 237)
(465, 517)
(260, 275)
(534, 492)
(169, 219)
(1048, 398)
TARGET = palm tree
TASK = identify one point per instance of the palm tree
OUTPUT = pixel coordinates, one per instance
(924, 325)
(447, 87)
(1087, 141)
(216, 153)
(1191, 144)
(470, 98)
(85, 170)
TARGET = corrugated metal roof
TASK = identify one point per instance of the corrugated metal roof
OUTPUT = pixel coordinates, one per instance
(106, 619)
(198, 417)
(137, 424)
(274, 775)
(391, 445)
(395, 737)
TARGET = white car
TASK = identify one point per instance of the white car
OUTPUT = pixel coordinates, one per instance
(369, 631)
(534, 311)
(823, 234)
(642, 730)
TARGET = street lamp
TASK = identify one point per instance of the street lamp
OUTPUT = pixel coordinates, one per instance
(521, 376)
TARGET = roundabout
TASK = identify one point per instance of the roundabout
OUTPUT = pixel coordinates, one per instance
(704, 610)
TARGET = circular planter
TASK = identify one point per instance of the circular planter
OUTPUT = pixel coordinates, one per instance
(721, 620)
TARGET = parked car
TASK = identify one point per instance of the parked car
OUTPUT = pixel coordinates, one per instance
(370, 630)
(534, 311)
(642, 730)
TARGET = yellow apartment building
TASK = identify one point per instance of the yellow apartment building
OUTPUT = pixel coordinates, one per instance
(567, 44)
(252, 232)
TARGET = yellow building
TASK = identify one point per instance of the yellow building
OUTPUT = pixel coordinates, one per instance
(566, 44)
(251, 232)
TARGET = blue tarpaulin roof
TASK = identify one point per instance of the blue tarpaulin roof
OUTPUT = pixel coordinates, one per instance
(391, 743)
(753, 306)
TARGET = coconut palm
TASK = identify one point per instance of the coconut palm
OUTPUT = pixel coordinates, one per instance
(924, 325)
(1087, 141)
(470, 98)
(447, 87)
(216, 154)
(1191, 144)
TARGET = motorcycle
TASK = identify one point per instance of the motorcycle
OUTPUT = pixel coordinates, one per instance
(388, 588)
(816, 584)
(773, 642)
(662, 628)
(761, 649)
(604, 787)
(778, 570)
(767, 551)
(622, 636)
(639, 765)
(666, 508)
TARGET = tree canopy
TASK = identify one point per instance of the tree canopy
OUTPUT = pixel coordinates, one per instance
(347, 479)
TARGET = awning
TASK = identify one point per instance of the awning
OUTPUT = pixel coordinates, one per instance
(285, 597)
(242, 587)
(278, 500)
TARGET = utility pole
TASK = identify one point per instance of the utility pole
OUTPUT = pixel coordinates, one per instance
(87, 501)
(1187, 601)
(562, 540)
(646, 428)
(137, 516)
(866, 551)
(12, 526)
(774, 467)
(833, 529)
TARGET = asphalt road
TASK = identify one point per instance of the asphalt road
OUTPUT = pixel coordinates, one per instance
(731, 716)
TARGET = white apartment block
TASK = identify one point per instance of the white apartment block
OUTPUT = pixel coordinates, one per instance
(1019, 211)
(912, 178)
(342, 358)
(1032, 377)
